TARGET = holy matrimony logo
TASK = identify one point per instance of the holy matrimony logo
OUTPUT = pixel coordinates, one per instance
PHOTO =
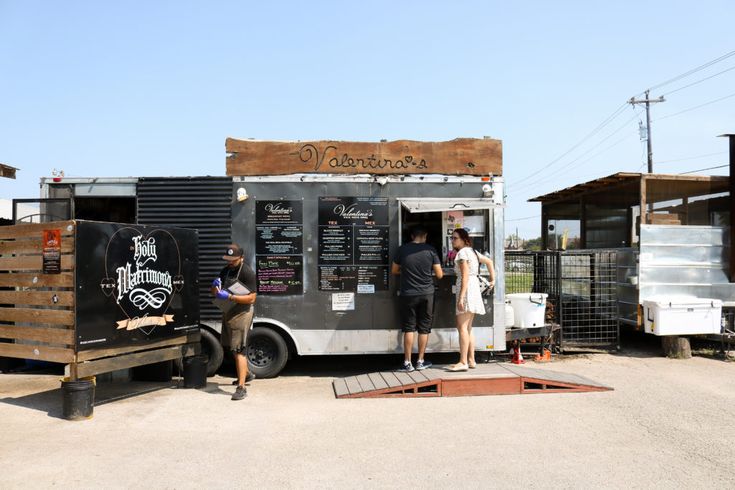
(140, 279)
(145, 287)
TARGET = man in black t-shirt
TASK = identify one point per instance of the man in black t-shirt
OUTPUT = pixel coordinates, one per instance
(236, 322)
(415, 263)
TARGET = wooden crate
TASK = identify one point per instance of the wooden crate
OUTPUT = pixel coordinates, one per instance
(39, 297)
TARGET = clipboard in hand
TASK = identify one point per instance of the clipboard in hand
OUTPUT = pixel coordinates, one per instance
(237, 288)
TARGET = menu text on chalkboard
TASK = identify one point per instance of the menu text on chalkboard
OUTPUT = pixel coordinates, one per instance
(353, 244)
(279, 238)
(280, 274)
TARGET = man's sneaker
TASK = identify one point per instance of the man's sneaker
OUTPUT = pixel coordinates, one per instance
(240, 393)
(407, 367)
(420, 365)
(248, 378)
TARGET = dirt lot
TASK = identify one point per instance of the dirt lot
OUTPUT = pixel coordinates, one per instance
(669, 423)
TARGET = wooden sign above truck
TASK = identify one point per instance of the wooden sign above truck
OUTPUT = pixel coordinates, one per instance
(461, 156)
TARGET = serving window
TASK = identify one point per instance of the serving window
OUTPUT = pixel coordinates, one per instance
(440, 217)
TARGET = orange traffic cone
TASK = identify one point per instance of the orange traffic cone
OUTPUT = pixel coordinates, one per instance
(517, 357)
(544, 357)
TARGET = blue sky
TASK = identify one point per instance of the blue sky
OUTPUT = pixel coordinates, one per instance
(154, 88)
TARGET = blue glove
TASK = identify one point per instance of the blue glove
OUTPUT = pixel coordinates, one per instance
(217, 283)
(222, 294)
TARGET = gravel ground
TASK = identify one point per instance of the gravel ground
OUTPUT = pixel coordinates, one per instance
(668, 423)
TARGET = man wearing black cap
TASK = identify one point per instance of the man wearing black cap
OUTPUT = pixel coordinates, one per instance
(417, 263)
(237, 320)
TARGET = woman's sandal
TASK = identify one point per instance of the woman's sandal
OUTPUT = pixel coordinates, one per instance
(458, 367)
(472, 365)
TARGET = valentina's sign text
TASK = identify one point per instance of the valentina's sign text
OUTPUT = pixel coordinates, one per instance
(350, 212)
(278, 209)
(311, 155)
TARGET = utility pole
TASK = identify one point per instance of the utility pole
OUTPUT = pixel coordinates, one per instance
(648, 101)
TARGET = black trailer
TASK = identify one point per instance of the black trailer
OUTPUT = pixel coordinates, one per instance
(321, 242)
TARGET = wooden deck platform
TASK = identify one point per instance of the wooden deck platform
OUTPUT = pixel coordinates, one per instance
(487, 379)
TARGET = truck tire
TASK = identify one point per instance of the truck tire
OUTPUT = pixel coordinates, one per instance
(212, 348)
(266, 351)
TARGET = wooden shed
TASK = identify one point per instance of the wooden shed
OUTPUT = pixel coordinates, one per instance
(606, 212)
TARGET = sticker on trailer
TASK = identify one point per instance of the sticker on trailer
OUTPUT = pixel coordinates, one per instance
(343, 301)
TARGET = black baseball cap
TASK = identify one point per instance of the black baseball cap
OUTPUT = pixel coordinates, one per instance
(233, 252)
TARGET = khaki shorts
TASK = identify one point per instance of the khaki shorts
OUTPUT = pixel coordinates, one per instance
(235, 331)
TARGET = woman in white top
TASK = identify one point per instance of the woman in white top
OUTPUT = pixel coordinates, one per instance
(469, 298)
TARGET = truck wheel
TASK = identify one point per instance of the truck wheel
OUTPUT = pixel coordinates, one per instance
(212, 348)
(266, 351)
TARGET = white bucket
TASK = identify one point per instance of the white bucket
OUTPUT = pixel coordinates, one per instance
(529, 309)
(509, 316)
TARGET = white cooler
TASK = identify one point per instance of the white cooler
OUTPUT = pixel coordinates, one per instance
(682, 315)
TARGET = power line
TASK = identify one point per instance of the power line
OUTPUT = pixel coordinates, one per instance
(599, 127)
(531, 185)
(619, 111)
(696, 107)
(703, 169)
(700, 81)
(570, 163)
(692, 158)
(692, 71)
(527, 217)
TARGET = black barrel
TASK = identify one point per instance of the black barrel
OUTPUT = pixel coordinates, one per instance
(78, 398)
(195, 371)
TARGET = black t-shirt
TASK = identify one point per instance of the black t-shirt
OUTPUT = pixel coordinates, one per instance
(228, 275)
(417, 261)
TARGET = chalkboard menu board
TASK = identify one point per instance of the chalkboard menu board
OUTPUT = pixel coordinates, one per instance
(280, 274)
(353, 244)
(279, 238)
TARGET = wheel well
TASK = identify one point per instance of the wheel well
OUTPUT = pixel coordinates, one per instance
(204, 326)
(283, 333)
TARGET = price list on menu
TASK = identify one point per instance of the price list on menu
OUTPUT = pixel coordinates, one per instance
(279, 237)
(353, 244)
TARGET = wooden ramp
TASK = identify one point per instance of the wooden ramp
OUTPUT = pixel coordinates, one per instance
(487, 379)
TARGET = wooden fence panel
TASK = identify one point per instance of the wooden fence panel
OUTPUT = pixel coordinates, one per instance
(29, 315)
(37, 298)
(36, 229)
(38, 334)
(32, 263)
(39, 352)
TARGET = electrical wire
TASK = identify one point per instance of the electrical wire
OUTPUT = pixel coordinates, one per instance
(703, 169)
(692, 71)
(690, 158)
(618, 111)
(527, 217)
(589, 135)
(699, 81)
(696, 107)
(570, 163)
(531, 185)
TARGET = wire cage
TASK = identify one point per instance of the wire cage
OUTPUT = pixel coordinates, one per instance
(581, 287)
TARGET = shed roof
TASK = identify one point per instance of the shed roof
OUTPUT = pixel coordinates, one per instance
(680, 185)
(7, 171)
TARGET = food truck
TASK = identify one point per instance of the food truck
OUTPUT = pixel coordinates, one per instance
(320, 223)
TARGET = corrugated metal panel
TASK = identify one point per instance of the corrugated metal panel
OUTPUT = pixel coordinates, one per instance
(201, 203)
(684, 260)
